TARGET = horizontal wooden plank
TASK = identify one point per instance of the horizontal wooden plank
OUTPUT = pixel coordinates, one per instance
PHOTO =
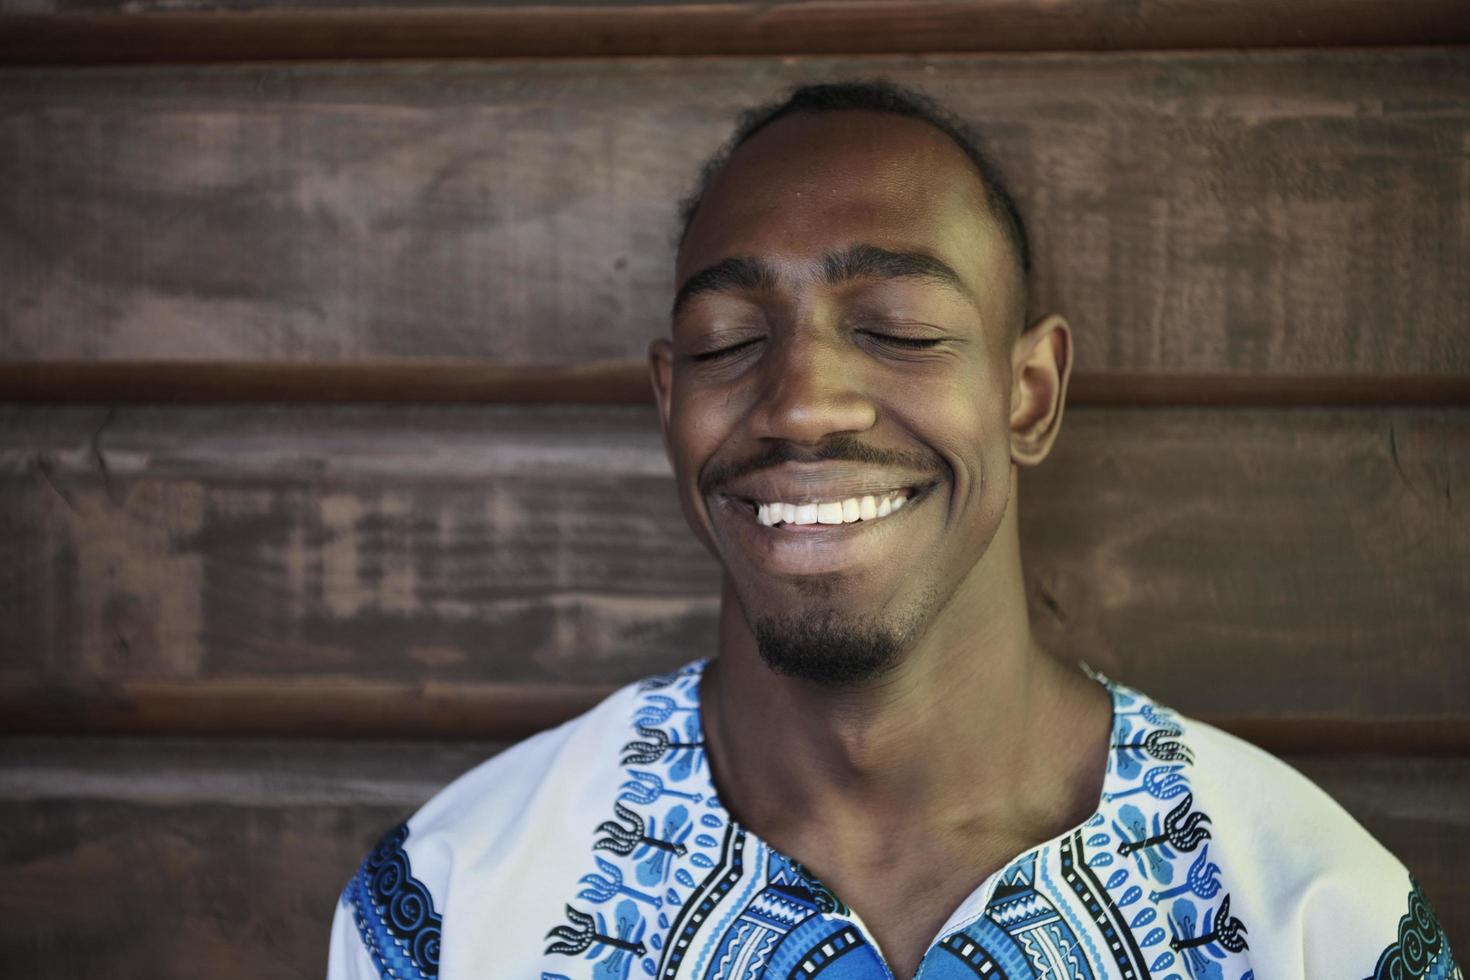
(621, 382)
(422, 381)
(325, 561)
(259, 773)
(245, 845)
(212, 30)
(1280, 214)
(346, 708)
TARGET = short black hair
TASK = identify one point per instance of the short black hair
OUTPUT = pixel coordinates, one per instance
(875, 95)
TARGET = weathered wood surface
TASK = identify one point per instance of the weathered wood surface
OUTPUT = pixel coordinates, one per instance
(1273, 213)
(165, 858)
(179, 569)
(421, 381)
(113, 31)
(160, 858)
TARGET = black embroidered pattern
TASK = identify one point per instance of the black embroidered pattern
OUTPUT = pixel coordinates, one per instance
(1181, 829)
(1420, 944)
(394, 912)
(819, 894)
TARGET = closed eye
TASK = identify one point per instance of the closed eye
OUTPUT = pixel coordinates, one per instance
(907, 343)
(725, 351)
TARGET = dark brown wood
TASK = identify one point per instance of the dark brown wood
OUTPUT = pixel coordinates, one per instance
(332, 708)
(622, 382)
(357, 709)
(258, 772)
(1118, 389)
(1249, 565)
(180, 858)
(222, 863)
(1307, 735)
(609, 30)
(1288, 213)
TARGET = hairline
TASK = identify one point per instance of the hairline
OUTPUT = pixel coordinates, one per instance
(1000, 207)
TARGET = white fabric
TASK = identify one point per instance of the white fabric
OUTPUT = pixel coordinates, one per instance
(599, 849)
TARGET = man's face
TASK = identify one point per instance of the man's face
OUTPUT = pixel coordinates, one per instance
(840, 348)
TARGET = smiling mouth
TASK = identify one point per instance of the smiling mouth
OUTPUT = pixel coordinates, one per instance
(851, 510)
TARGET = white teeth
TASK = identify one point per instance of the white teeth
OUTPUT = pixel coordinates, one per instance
(847, 511)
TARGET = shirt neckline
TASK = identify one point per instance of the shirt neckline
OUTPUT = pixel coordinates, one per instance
(973, 905)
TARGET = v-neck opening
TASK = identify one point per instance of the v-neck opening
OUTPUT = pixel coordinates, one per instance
(974, 905)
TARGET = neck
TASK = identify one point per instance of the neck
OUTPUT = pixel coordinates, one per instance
(961, 737)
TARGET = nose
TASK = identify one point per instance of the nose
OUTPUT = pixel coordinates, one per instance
(812, 390)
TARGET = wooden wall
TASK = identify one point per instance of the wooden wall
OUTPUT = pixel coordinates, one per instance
(327, 468)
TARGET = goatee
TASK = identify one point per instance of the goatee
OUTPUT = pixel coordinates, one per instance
(828, 647)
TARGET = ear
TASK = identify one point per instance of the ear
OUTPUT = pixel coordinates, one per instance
(1041, 365)
(661, 374)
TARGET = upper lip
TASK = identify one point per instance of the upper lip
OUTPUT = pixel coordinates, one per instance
(799, 483)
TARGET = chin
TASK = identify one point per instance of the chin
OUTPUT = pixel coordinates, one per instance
(838, 647)
(828, 647)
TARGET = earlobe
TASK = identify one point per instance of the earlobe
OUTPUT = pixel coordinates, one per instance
(661, 376)
(1042, 366)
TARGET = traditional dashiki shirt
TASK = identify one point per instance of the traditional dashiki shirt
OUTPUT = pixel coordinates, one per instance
(600, 850)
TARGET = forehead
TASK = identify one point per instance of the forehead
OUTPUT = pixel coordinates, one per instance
(814, 182)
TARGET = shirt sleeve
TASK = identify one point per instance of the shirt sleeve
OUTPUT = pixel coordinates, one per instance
(1413, 946)
(386, 925)
(347, 959)
(1316, 894)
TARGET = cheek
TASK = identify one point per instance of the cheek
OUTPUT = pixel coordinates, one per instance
(974, 439)
(696, 432)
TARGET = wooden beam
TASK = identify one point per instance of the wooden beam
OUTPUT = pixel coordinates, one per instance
(358, 709)
(385, 381)
(616, 30)
(312, 707)
(626, 383)
(1240, 213)
(1125, 389)
(1292, 562)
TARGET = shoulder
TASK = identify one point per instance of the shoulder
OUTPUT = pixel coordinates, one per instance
(1242, 789)
(489, 847)
(488, 802)
(1316, 893)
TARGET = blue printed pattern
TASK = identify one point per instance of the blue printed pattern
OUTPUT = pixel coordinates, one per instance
(685, 892)
(394, 912)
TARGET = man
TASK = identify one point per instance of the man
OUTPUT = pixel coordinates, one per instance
(881, 773)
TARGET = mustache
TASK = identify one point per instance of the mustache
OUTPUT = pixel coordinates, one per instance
(838, 448)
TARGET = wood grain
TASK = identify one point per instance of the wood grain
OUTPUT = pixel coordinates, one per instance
(166, 858)
(113, 31)
(338, 708)
(623, 383)
(1250, 565)
(1287, 213)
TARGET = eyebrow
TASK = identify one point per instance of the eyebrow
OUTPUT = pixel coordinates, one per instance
(854, 262)
(727, 276)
